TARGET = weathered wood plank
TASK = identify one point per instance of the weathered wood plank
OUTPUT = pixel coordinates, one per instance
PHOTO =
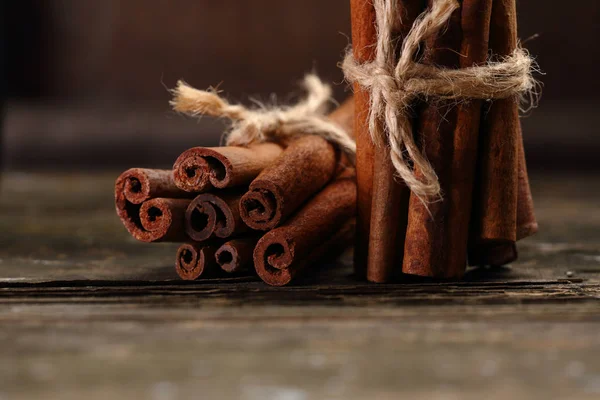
(86, 312)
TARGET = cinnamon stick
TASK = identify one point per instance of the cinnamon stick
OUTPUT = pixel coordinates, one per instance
(389, 209)
(210, 215)
(285, 252)
(496, 211)
(160, 219)
(526, 222)
(499, 252)
(302, 169)
(437, 233)
(195, 260)
(201, 168)
(364, 37)
(235, 256)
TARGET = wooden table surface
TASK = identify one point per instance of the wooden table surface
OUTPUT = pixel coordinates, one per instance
(86, 312)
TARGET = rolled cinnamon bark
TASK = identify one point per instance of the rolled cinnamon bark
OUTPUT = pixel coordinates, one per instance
(526, 222)
(158, 219)
(364, 38)
(235, 256)
(496, 211)
(210, 215)
(437, 233)
(285, 252)
(389, 208)
(162, 219)
(201, 168)
(499, 252)
(302, 169)
(195, 260)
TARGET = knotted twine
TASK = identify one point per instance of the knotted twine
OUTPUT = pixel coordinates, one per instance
(392, 86)
(274, 123)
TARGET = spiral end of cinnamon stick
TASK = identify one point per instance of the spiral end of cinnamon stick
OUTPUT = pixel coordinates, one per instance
(193, 261)
(273, 259)
(199, 169)
(228, 258)
(209, 215)
(259, 209)
(191, 172)
(200, 219)
(135, 185)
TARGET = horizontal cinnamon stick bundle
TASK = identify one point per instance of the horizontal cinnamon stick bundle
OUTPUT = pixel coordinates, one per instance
(285, 252)
(200, 169)
(211, 215)
(303, 168)
(150, 206)
(195, 260)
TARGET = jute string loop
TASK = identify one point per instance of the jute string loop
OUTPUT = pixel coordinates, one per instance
(275, 123)
(394, 85)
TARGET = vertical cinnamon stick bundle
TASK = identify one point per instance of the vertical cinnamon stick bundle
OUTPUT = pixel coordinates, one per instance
(235, 256)
(437, 233)
(503, 212)
(389, 208)
(302, 169)
(283, 253)
(147, 219)
(210, 215)
(194, 260)
(201, 168)
(364, 37)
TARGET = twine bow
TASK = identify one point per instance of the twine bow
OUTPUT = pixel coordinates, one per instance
(276, 123)
(394, 85)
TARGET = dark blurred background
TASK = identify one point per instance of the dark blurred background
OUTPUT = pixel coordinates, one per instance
(86, 81)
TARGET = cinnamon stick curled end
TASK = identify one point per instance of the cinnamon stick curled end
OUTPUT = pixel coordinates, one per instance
(194, 260)
(150, 220)
(273, 257)
(211, 215)
(236, 255)
(191, 172)
(260, 208)
(201, 168)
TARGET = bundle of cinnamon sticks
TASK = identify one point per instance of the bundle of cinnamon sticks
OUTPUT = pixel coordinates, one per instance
(274, 208)
(475, 147)
(264, 209)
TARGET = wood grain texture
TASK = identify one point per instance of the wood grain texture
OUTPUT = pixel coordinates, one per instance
(88, 312)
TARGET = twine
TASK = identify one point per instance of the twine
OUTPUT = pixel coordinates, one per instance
(274, 123)
(394, 85)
